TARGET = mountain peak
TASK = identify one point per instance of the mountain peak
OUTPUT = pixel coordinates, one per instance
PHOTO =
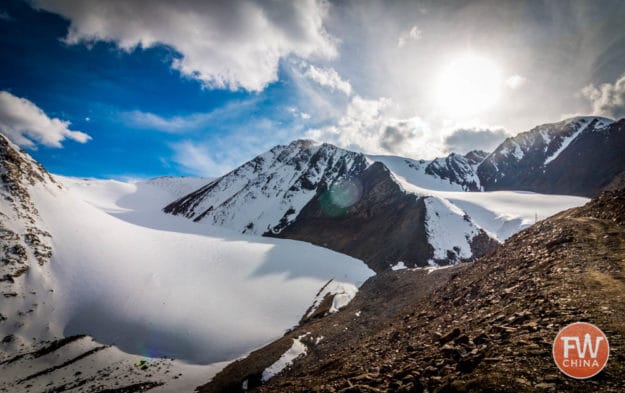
(18, 167)
(304, 143)
(588, 119)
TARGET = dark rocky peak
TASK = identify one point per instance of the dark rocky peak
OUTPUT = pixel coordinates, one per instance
(545, 158)
(457, 169)
(383, 224)
(339, 199)
(475, 157)
(545, 141)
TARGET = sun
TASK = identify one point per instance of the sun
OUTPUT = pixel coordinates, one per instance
(468, 85)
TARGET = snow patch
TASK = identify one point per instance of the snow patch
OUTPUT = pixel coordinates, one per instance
(343, 294)
(399, 266)
(297, 349)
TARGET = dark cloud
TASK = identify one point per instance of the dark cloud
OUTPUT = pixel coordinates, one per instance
(607, 99)
(396, 135)
(464, 140)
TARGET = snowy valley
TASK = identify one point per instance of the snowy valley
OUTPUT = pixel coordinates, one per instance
(161, 283)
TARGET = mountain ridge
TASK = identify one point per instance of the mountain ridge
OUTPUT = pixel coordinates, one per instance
(311, 191)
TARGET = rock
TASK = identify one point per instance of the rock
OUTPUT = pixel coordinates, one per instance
(481, 339)
(545, 387)
(8, 339)
(531, 326)
(469, 362)
(449, 336)
(552, 377)
(411, 387)
(451, 352)
(462, 339)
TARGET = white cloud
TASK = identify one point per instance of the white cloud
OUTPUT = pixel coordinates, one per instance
(234, 45)
(414, 34)
(297, 113)
(26, 124)
(198, 160)
(328, 77)
(229, 145)
(189, 122)
(516, 81)
(371, 127)
(607, 99)
(174, 124)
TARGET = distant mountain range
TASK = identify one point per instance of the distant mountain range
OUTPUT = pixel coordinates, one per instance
(385, 210)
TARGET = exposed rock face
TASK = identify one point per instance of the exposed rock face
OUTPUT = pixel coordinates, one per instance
(578, 156)
(22, 239)
(485, 326)
(592, 161)
(385, 225)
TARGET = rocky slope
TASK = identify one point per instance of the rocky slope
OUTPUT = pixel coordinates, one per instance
(22, 239)
(485, 326)
(338, 199)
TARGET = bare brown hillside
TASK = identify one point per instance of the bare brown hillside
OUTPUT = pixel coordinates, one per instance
(485, 326)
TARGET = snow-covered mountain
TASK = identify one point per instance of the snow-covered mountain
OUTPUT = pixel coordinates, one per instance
(266, 193)
(577, 156)
(381, 209)
(334, 198)
(98, 258)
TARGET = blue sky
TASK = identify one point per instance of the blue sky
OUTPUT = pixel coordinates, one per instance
(97, 87)
(196, 88)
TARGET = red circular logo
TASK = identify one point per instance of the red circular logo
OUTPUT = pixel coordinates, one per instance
(581, 350)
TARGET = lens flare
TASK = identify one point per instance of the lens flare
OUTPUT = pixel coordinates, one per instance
(340, 197)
